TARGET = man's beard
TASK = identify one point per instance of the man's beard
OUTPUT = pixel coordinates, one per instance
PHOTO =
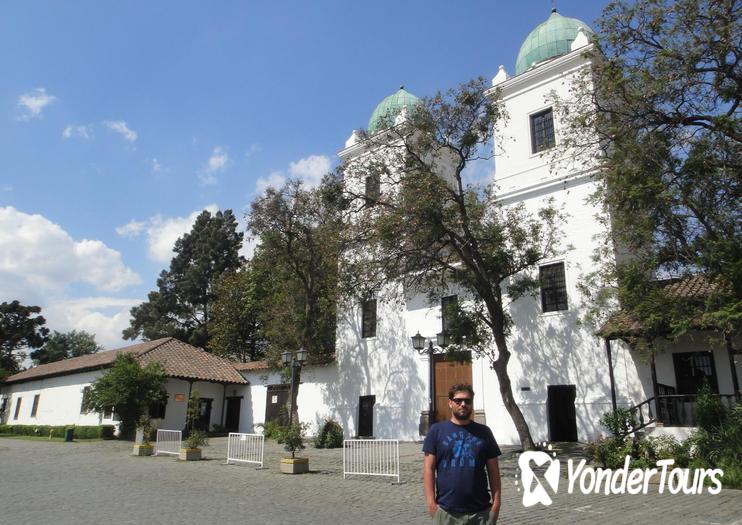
(460, 417)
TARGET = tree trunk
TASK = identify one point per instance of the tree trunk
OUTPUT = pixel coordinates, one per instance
(500, 366)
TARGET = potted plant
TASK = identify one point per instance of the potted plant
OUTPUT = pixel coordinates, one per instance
(292, 438)
(142, 444)
(191, 449)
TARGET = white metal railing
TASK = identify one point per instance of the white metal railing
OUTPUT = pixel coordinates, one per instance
(168, 442)
(245, 448)
(371, 457)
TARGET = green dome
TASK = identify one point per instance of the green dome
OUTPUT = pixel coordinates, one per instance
(389, 108)
(550, 39)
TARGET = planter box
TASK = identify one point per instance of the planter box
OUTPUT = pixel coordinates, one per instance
(190, 454)
(142, 450)
(294, 465)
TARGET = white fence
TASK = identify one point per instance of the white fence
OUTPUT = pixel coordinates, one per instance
(245, 448)
(371, 457)
(168, 442)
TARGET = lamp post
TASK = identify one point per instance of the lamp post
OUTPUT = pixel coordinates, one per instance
(296, 360)
(418, 343)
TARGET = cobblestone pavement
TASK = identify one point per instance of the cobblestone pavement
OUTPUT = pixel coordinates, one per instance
(99, 482)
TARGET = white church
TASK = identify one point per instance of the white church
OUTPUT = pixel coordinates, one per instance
(564, 376)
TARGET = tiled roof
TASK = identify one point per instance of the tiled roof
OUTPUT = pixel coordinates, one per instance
(179, 360)
(695, 288)
(184, 361)
(251, 365)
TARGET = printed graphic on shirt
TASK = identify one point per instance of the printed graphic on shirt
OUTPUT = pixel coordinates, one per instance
(465, 448)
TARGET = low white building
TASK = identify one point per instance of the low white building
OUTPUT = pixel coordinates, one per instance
(51, 394)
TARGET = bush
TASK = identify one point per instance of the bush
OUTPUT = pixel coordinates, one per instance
(655, 448)
(292, 437)
(272, 430)
(717, 443)
(609, 452)
(81, 432)
(196, 438)
(330, 435)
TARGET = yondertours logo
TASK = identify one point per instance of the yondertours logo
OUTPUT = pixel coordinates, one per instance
(589, 480)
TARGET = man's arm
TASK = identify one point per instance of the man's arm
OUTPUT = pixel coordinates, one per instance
(493, 474)
(429, 483)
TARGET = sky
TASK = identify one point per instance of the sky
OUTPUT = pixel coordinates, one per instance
(121, 121)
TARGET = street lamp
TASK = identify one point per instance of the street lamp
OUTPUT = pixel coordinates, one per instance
(296, 360)
(418, 343)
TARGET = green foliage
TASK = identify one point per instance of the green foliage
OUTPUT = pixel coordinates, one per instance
(272, 429)
(129, 388)
(609, 452)
(292, 437)
(181, 306)
(20, 327)
(144, 423)
(717, 442)
(330, 435)
(193, 411)
(196, 439)
(619, 422)
(663, 123)
(296, 265)
(80, 432)
(65, 345)
(236, 326)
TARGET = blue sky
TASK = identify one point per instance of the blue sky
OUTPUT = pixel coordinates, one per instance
(120, 121)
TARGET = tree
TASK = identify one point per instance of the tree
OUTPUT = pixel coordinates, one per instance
(236, 326)
(65, 345)
(129, 389)
(181, 306)
(430, 231)
(661, 114)
(297, 262)
(20, 327)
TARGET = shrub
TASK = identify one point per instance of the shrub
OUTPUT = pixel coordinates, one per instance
(609, 452)
(81, 432)
(272, 430)
(330, 435)
(196, 438)
(619, 422)
(292, 437)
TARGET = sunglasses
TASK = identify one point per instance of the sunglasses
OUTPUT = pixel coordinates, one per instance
(462, 400)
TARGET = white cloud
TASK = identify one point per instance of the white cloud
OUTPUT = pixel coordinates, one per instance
(122, 128)
(79, 131)
(37, 255)
(104, 317)
(32, 104)
(274, 180)
(156, 166)
(131, 229)
(217, 163)
(162, 232)
(310, 169)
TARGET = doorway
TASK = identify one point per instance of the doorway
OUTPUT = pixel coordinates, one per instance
(204, 414)
(447, 374)
(232, 419)
(560, 404)
(277, 397)
(366, 416)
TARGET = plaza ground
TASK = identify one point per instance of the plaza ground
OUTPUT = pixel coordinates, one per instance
(99, 482)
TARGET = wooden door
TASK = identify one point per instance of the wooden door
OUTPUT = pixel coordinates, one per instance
(277, 397)
(366, 416)
(447, 374)
(232, 421)
(560, 403)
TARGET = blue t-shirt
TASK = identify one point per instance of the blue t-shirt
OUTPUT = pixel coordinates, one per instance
(461, 453)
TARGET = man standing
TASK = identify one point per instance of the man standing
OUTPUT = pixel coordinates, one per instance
(457, 453)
